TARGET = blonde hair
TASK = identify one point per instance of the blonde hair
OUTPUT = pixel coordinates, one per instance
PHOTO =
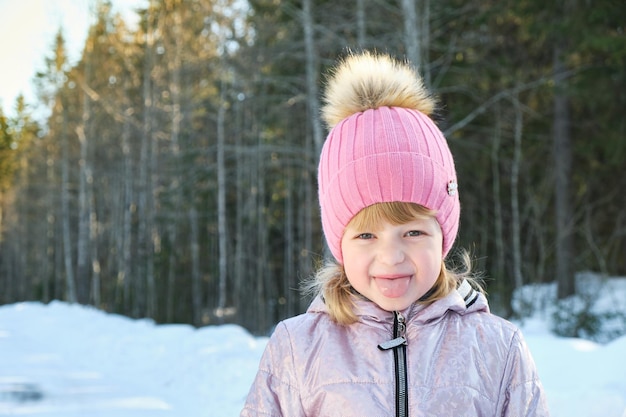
(331, 281)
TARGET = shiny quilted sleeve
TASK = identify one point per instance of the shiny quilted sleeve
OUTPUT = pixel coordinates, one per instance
(521, 392)
(274, 391)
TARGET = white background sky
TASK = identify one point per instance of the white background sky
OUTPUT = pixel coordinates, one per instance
(27, 31)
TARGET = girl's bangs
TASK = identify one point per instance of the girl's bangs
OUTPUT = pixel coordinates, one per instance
(395, 212)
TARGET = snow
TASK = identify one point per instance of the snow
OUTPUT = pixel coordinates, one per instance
(67, 360)
(84, 362)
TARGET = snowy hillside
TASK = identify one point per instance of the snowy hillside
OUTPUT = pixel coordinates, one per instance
(62, 360)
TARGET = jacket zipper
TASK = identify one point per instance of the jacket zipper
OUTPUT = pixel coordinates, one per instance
(398, 344)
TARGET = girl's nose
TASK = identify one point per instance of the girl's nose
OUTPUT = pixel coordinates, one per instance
(390, 253)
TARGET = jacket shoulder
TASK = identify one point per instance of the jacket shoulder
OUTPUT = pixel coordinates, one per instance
(489, 319)
(491, 329)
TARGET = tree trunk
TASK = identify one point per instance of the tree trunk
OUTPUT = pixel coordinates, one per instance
(312, 92)
(175, 88)
(515, 211)
(412, 35)
(196, 278)
(424, 41)
(86, 212)
(222, 221)
(70, 286)
(127, 207)
(313, 109)
(498, 271)
(144, 281)
(562, 158)
(289, 273)
(82, 243)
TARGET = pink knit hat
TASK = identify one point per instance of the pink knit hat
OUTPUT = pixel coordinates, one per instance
(382, 147)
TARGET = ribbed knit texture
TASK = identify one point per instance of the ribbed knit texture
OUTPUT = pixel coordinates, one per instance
(383, 155)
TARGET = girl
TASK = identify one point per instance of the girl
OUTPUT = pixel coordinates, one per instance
(392, 331)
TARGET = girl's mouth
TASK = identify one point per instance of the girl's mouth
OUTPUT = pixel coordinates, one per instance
(393, 287)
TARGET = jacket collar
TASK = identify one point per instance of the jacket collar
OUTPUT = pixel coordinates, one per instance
(463, 300)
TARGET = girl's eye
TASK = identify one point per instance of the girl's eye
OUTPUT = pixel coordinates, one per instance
(365, 236)
(414, 233)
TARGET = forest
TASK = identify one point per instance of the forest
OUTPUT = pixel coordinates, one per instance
(174, 176)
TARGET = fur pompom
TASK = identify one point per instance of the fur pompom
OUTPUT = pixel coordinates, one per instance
(367, 81)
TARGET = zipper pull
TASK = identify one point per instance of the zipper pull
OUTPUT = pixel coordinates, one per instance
(400, 325)
(399, 332)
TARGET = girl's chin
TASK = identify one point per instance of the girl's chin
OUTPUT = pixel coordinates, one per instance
(393, 304)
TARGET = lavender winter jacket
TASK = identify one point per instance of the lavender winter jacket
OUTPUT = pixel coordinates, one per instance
(451, 358)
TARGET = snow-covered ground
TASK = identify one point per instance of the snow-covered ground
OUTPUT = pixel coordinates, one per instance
(62, 360)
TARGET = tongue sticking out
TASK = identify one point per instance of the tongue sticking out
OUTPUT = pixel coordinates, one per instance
(393, 288)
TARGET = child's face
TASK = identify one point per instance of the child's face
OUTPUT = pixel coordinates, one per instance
(393, 265)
